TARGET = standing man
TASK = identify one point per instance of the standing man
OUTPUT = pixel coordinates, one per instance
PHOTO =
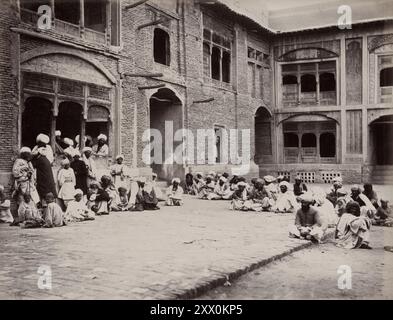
(101, 149)
(23, 173)
(43, 144)
(45, 180)
(81, 172)
(90, 164)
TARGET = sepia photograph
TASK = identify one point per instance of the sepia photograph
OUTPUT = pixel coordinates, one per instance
(206, 151)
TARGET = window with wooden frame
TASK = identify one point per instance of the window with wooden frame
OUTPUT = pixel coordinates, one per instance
(311, 83)
(257, 60)
(385, 69)
(216, 56)
(162, 52)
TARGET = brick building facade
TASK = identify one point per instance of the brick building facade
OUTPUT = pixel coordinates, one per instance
(316, 101)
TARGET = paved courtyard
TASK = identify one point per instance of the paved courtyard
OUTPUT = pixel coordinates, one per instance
(150, 255)
(139, 255)
(312, 274)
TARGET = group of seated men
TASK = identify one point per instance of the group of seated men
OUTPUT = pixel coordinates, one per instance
(352, 213)
(315, 209)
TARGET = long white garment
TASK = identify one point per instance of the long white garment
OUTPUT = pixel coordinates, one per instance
(174, 196)
(78, 211)
(286, 202)
(66, 179)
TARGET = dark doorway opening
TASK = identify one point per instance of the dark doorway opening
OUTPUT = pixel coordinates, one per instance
(36, 119)
(327, 145)
(382, 139)
(263, 137)
(69, 119)
(166, 106)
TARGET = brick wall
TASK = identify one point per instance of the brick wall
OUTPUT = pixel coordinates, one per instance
(8, 91)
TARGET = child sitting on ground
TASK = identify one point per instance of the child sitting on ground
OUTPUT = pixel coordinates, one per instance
(53, 215)
(383, 215)
(121, 201)
(77, 210)
(28, 214)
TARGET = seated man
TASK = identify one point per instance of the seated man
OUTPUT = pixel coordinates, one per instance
(121, 200)
(299, 187)
(208, 188)
(353, 230)
(371, 194)
(189, 183)
(383, 216)
(332, 194)
(258, 198)
(286, 201)
(28, 214)
(366, 207)
(240, 197)
(198, 183)
(145, 200)
(308, 224)
(270, 187)
(174, 193)
(53, 214)
(77, 210)
(100, 196)
(324, 207)
(221, 190)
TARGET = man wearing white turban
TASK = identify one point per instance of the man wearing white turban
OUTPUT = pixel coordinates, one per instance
(43, 147)
(174, 193)
(66, 179)
(23, 173)
(286, 200)
(101, 149)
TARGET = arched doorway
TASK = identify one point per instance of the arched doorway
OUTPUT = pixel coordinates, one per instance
(69, 119)
(166, 113)
(381, 136)
(36, 119)
(263, 136)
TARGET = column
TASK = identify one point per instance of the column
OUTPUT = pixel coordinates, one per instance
(108, 22)
(52, 6)
(317, 82)
(365, 99)
(82, 17)
(343, 84)
(299, 85)
(53, 133)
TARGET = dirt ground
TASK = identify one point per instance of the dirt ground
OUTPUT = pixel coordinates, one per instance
(313, 274)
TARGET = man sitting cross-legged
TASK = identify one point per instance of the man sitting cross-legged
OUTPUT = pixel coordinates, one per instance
(174, 193)
(308, 224)
(145, 200)
(121, 201)
(221, 191)
(77, 210)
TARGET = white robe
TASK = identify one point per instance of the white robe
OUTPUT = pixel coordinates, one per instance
(66, 179)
